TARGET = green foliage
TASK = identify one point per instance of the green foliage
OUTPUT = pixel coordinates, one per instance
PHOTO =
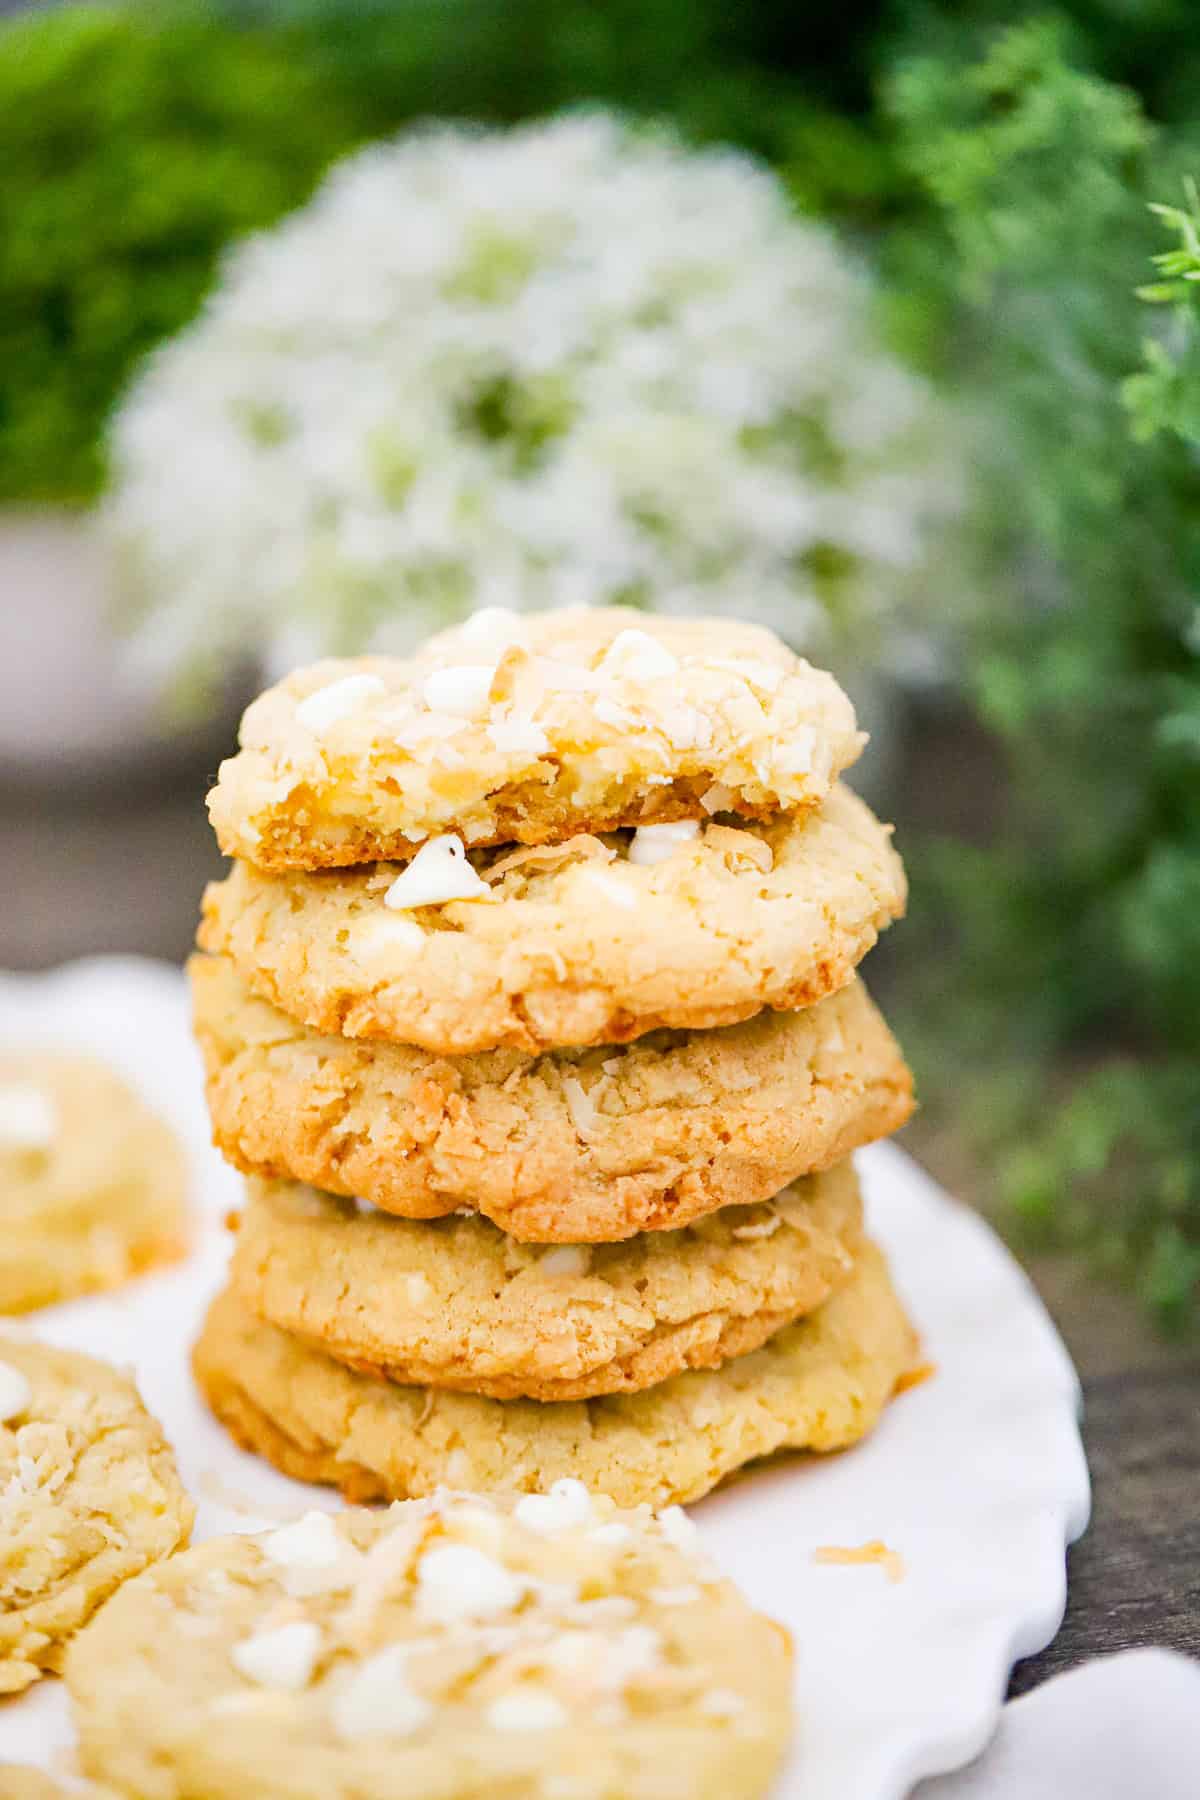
(137, 140)
(1165, 395)
(1080, 934)
(133, 145)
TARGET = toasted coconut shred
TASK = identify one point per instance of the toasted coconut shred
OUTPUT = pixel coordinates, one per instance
(890, 1561)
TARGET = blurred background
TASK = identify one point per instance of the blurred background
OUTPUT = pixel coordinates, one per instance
(881, 325)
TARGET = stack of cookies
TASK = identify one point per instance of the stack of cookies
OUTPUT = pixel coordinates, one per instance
(530, 1011)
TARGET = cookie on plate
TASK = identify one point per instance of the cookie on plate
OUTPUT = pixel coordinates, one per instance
(527, 729)
(568, 1147)
(456, 1304)
(94, 1183)
(820, 1384)
(89, 1496)
(18, 1782)
(551, 1648)
(587, 942)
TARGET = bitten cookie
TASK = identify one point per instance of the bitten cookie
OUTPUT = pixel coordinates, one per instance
(573, 944)
(820, 1384)
(89, 1495)
(456, 1304)
(452, 1649)
(571, 1146)
(525, 729)
(94, 1183)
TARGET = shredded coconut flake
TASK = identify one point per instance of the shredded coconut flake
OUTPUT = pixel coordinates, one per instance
(579, 1105)
(636, 656)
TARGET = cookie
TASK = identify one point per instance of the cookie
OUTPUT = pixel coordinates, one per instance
(574, 944)
(89, 1496)
(456, 1648)
(571, 1146)
(94, 1183)
(817, 1385)
(20, 1783)
(456, 1304)
(526, 729)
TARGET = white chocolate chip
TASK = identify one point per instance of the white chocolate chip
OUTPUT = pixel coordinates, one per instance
(313, 1555)
(378, 1701)
(614, 1534)
(15, 1393)
(336, 700)
(567, 1505)
(566, 1259)
(722, 1703)
(284, 1658)
(678, 1529)
(28, 1117)
(633, 1652)
(636, 656)
(655, 843)
(461, 690)
(569, 1652)
(456, 1581)
(419, 1292)
(518, 733)
(527, 1708)
(381, 933)
(765, 1228)
(437, 873)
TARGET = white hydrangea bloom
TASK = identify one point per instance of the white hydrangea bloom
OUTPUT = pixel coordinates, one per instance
(572, 363)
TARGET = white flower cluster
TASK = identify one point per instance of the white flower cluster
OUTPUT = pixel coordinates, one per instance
(571, 363)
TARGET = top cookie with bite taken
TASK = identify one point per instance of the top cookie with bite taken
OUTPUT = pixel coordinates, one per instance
(528, 728)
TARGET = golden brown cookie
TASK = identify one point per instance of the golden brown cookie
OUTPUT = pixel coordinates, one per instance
(526, 729)
(18, 1782)
(569, 1147)
(551, 1648)
(574, 944)
(817, 1385)
(94, 1183)
(456, 1304)
(89, 1496)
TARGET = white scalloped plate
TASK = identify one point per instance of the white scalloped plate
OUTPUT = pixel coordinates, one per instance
(977, 1477)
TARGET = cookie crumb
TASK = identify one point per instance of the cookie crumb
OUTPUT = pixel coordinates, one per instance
(915, 1376)
(890, 1561)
